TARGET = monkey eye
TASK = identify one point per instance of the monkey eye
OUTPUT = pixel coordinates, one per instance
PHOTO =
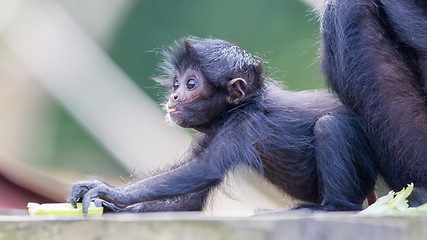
(191, 83)
(175, 84)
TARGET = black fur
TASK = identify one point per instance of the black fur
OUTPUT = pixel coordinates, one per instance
(375, 59)
(306, 143)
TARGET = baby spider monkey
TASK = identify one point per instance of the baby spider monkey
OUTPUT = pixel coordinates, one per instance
(305, 143)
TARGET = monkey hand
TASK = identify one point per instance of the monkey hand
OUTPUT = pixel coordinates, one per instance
(88, 190)
(108, 207)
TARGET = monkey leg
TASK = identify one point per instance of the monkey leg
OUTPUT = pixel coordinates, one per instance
(345, 166)
(375, 75)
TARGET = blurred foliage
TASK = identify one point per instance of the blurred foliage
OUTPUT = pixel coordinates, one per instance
(283, 32)
(73, 142)
(73, 148)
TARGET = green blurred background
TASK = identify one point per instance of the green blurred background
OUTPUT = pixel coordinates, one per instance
(282, 32)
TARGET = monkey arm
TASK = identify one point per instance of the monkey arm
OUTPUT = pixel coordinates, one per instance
(232, 145)
(194, 176)
(199, 174)
(193, 201)
(410, 30)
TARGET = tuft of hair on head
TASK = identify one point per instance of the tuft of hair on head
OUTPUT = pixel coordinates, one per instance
(219, 61)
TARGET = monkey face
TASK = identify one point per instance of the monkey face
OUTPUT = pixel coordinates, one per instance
(194, 102)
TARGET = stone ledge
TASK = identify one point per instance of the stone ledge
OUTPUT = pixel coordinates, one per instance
(188, 226)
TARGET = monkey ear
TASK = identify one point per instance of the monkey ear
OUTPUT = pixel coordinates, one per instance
(236, 90)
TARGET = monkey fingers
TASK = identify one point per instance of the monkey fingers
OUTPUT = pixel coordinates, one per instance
(81, 188)
(108, 207)
(101, 191)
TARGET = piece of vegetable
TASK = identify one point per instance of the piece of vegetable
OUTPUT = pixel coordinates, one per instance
(394, 203)
(62, 209)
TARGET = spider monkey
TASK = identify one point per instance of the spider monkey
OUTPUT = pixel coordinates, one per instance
(375, 59)
(306, 143)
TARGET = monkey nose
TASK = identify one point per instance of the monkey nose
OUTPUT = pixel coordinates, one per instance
(175, 97)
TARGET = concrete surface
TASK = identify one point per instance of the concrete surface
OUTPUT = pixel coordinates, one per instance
(187, 226)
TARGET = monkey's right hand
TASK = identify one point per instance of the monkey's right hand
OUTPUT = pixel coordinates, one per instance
(88, 190)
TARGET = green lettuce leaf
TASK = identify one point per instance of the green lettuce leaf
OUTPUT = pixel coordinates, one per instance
(62, 209)
(395, 203)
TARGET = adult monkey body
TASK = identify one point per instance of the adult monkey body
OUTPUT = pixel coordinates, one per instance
(305, 143)
(375, 59)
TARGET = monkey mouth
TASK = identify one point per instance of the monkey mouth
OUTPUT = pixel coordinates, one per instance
(171, 110)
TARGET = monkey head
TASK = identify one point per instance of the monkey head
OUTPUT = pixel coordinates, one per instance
(194, 102)
(207, 77)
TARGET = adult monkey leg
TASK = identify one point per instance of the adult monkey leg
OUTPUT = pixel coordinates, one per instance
(373, 75)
